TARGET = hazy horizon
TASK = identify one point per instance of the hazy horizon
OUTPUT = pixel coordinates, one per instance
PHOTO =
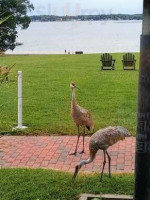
(86, 7)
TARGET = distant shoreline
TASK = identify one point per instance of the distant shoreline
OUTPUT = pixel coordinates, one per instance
(114, 17)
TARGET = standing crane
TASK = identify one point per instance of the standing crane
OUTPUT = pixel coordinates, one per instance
(81, 117)
(103, 139)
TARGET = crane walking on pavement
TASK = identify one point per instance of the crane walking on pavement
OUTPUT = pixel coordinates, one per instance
(103, 139)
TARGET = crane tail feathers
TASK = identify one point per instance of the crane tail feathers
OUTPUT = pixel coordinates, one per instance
(88, 127)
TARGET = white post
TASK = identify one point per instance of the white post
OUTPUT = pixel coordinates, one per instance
(20, 99)
(19, 102)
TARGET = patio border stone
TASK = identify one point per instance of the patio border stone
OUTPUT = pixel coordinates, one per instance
(106, 197)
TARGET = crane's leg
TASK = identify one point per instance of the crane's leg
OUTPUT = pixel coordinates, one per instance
(109, 162)
(75, 152)
(103, 165)
(83, 142)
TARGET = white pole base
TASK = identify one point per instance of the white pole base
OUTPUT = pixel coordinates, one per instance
(19, 128)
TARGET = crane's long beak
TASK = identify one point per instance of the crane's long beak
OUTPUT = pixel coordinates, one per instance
(77, 87)
(75, 173)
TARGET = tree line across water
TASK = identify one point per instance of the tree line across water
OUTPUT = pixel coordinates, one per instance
(47, 18)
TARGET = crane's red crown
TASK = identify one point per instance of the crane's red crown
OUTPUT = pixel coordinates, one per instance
(73, 83)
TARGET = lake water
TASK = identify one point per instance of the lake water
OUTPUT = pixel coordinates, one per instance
(89, 37)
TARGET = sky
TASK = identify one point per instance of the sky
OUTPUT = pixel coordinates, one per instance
(86, 7)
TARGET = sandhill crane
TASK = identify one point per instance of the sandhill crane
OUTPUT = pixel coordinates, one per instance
(103, 139)
(80, 116)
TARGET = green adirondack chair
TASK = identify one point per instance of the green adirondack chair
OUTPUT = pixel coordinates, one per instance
(108, 63)
(129, 61)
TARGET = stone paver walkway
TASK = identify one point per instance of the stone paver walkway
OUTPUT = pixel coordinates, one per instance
(53, 153)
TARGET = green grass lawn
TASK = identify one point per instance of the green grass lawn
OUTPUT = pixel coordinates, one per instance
(111, 96)
(27, 184)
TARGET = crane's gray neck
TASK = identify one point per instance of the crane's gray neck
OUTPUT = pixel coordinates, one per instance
(84, 162)
(73, 96)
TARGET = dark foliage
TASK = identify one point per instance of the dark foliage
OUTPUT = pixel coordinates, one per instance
(8, 30)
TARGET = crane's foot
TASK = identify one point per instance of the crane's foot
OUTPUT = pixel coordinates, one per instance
(73, 154)
(82, 152)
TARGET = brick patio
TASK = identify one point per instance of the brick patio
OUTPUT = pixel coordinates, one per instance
(52, 152)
